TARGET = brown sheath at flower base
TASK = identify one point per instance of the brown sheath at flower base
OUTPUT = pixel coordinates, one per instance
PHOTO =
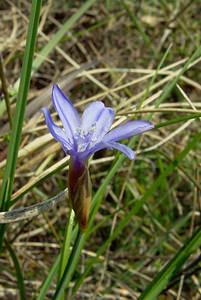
(79, 185)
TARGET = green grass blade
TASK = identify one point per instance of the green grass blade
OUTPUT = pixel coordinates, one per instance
(46, 284)
(70, 267)
(56, 268)
(178, 120)
(19, 275)
(66, 245)
(163, 277)
(8, 178)
(65, 253)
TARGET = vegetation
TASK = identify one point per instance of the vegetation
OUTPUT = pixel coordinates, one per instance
(144, 234)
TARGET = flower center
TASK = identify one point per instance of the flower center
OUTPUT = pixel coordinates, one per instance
(85, 138)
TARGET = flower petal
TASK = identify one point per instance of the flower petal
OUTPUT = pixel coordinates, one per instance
(91, 114)
(56, 131)
(111, 145)
(127, 130)
(67, 113)
(122, 148)
(103, 123)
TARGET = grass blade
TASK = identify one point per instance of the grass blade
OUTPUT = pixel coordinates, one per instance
(19, 275)
(162, 279)
(8, 178)
(46, 284)
(65, 253)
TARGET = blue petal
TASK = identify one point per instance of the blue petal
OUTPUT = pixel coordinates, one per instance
(111, 145)
(56, 131)
(127, 130)
(103, 122)
(122, 148)
(86, 154)
(91, 114)
(67, 113)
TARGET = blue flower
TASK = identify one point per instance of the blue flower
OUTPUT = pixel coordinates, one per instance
(82, 137)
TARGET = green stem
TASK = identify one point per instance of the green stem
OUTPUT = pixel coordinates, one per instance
(8, 179)
(179, 119)
(66, 247)
(70, 267)
(19, 275)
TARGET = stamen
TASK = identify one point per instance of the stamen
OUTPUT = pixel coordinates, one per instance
(82, 147)
(85, 138)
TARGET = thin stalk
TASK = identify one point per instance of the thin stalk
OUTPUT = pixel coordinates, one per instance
(47, 283)
(71, 265)
(66, 247)
(177, 120)
(8, 179)
(19, 275)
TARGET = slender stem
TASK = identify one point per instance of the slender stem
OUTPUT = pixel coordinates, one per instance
(177, 120)
(5, 90)
(66, 247)
(46, 284)
(160, 110)
(19, 274)
(8, 179)
(70, 267)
